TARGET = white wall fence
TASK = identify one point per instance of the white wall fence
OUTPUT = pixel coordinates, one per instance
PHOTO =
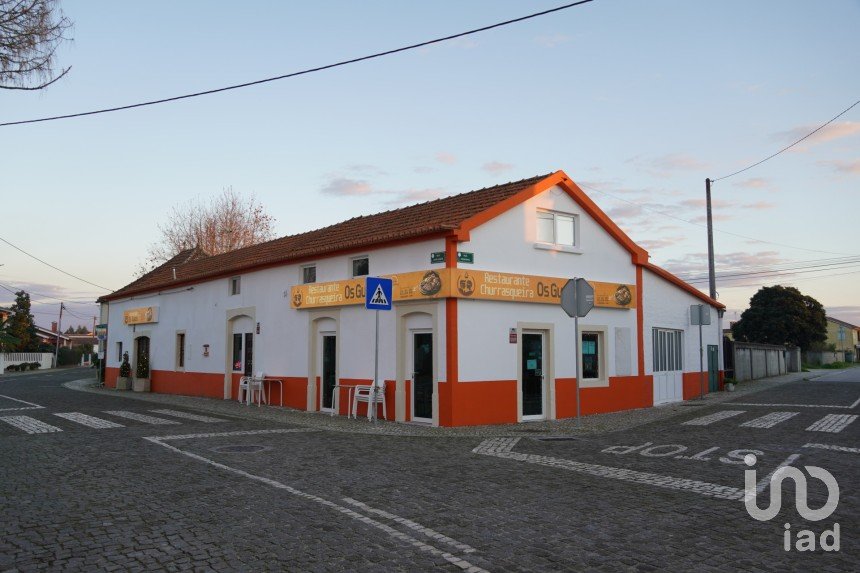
(753, 361)
(45, 359)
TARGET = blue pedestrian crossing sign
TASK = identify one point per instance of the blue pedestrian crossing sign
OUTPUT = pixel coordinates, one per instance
(377, 293)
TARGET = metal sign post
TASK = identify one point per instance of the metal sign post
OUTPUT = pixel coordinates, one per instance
(699, 315)
(377, 297)
(577, 299)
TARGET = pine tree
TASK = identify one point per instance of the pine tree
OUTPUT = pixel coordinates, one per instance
(21, 324)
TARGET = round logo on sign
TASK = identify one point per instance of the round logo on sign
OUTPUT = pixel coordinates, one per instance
(466, 285)
(297, 299)
(623, 296)
(431, 283)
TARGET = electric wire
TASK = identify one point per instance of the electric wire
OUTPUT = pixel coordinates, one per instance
(715, 229)
(786, 148)
(730, 273)
(53, 267)
(302, 72)
(765, 274)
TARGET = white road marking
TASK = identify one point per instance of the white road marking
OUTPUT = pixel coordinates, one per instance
(29, 425)
(30, 405)
(832, 423)
(765, 481)
(179, 414)
(89, 421)
(501, 448)
(411, 525)
(711, 418)
(418, 544)
(835, 448)
(140, 417)
(854, 405)
(236, 433)
(769, 420)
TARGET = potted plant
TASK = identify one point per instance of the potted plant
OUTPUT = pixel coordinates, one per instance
(730, 384)
(141, 378)
(123, 382)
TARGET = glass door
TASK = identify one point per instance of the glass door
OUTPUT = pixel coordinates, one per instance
(713, 367)
(533, 375)
(422, 376)
(329, 369)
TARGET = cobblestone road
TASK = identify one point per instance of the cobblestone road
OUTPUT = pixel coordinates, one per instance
(132, 483)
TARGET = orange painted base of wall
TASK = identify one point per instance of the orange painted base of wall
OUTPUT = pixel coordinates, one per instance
(295, 390)
(623, 393)
(483, 403)
(361, 410)
(111, 374)
(692, 385)
(187, 383)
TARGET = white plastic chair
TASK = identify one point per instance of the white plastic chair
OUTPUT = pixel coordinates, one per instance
(257, 389)
(366, 394)
(244, 388)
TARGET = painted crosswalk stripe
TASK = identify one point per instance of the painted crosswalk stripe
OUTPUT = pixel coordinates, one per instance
(29, 425)
(832, 423)
(715, 417)
(89, 421)
(188, 415)
(769, 420)
(140, 417)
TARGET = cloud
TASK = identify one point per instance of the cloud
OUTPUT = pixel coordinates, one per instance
(832, 132)
(366, 169)
(678, 162)
(701, 204)
(552, 40)
(416, 196)
(346, 187)
(446, 158)
(754, 183)
(842, 166)
(695, 265)
(624, 211)
(423, 169)
(496, 167)
(655, 244)
(849, 314)
(759, 206)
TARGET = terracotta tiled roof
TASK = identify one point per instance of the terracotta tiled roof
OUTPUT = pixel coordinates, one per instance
(425, 219)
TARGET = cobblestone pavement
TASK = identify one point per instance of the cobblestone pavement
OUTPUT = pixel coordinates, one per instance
(229, 487)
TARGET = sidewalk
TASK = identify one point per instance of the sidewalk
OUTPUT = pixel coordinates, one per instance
(588, 425)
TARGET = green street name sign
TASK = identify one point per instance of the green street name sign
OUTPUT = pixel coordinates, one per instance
(466, 257)
(437, 257)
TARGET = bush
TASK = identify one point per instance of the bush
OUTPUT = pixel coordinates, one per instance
(69, 356)
(125, 367)
(12, 368)
(35, 365)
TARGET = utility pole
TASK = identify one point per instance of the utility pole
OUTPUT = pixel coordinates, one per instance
(712, 279)
(58, 333)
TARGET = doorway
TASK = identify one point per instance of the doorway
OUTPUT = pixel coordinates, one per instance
(713, 368)
(141, 363)
(328, 370)
(533, 387)
(422, 376)
(243, 353)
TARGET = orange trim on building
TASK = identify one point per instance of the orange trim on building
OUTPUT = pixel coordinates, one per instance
(664, 274)
(692, 387)
(640, 323)
(486, 402)
(187, 383)
(623, 393)
(111, 374)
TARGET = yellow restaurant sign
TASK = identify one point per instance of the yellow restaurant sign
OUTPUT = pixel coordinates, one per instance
(460, 283)
(141, 315)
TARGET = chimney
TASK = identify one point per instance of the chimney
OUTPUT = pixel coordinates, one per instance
(53, 327)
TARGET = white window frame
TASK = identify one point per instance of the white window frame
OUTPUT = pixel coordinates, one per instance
(554, 245)
(602, 333)
(352, 266)
(667, 349)
(235, 286)
(302, 274)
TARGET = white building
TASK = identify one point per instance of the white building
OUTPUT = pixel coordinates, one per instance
(476, 335)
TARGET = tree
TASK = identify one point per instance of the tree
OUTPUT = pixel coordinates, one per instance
(70, 330)
(21, 324)
(81, 330)
(7, 341)
(782, 315)
(30, 33)
(222, 224)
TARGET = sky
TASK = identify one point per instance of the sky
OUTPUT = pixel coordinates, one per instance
(638, 102)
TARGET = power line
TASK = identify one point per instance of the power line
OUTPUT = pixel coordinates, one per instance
(67, 300)
(786, 272)
(302, 72)
(705, 226)
(777, 268)
(813, 132)
(53, 267)
(792, 281)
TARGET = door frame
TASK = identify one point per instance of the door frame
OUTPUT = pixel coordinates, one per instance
(403, 310)
(314, 319)
(548, 332)
(411, 363)
(231, 315)
(321, 366)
